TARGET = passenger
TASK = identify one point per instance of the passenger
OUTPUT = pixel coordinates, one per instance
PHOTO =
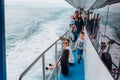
(72, 29)
(94, 28)
(92, 24)
(94, 42)
(78, 22)
(74, 34)
(80, 46)
(88, 21)
(80, 15)
(105, 56)
(97, 24)
(70, 54)
(85, 20)
(63, 62)
(88, 31)
(72, 20)
(66, 46)
(103, 48)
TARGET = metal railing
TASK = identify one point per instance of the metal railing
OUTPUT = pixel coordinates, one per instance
(54, 74)
(42, 56)
(105, 36)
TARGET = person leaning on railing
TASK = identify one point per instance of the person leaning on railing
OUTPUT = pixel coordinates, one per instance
(66, 59)
(105, 56)
(93, 41)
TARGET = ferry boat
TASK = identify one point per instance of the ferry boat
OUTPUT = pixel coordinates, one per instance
(90, 68)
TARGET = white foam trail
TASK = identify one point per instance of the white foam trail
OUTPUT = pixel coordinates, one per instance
(26, 50)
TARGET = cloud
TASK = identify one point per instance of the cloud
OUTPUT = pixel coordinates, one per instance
(38, 3)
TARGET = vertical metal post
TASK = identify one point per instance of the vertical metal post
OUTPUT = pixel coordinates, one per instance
(43, 64)
(56, 61)
(118, 70)
(106, 22)
(56, 52)
(2, 43)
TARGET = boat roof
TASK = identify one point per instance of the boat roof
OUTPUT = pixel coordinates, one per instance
(90, 4)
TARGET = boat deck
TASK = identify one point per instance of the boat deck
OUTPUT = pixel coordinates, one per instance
(76, 72)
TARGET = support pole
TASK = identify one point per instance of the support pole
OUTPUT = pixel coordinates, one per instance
(43, 65)
(56, 76)
(2, 43)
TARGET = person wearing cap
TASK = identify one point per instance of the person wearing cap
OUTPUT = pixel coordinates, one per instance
(73, 30)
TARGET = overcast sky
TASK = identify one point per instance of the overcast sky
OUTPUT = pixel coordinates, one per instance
(38, 3)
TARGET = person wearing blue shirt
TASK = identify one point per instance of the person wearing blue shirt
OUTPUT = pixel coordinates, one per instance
(78, 22)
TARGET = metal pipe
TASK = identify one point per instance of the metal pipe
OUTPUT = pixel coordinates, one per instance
(2, 42)
(109, 38)
(118, 70)
(56, 61)
(43, 65)
(50, 76)
(56, 52)
(106, 21)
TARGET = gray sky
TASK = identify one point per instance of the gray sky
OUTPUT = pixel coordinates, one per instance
(38, 3)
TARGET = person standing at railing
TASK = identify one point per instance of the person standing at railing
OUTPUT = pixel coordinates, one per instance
(64, 62)
(66, 45)
(80, 46)
(92, 24)
(97, 25)
(105, 55)
(67, 58)
(94, 42)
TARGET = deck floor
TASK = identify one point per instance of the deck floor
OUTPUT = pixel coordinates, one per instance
(76, 72)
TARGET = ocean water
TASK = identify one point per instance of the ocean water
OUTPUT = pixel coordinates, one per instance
(29, 31)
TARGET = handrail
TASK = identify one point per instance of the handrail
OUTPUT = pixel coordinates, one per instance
(33, 63)
(56, 65)
(109, 38)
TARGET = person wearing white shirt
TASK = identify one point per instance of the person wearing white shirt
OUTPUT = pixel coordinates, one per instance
(80, 46)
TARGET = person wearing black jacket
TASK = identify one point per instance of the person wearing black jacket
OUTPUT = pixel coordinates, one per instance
(64, 62)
